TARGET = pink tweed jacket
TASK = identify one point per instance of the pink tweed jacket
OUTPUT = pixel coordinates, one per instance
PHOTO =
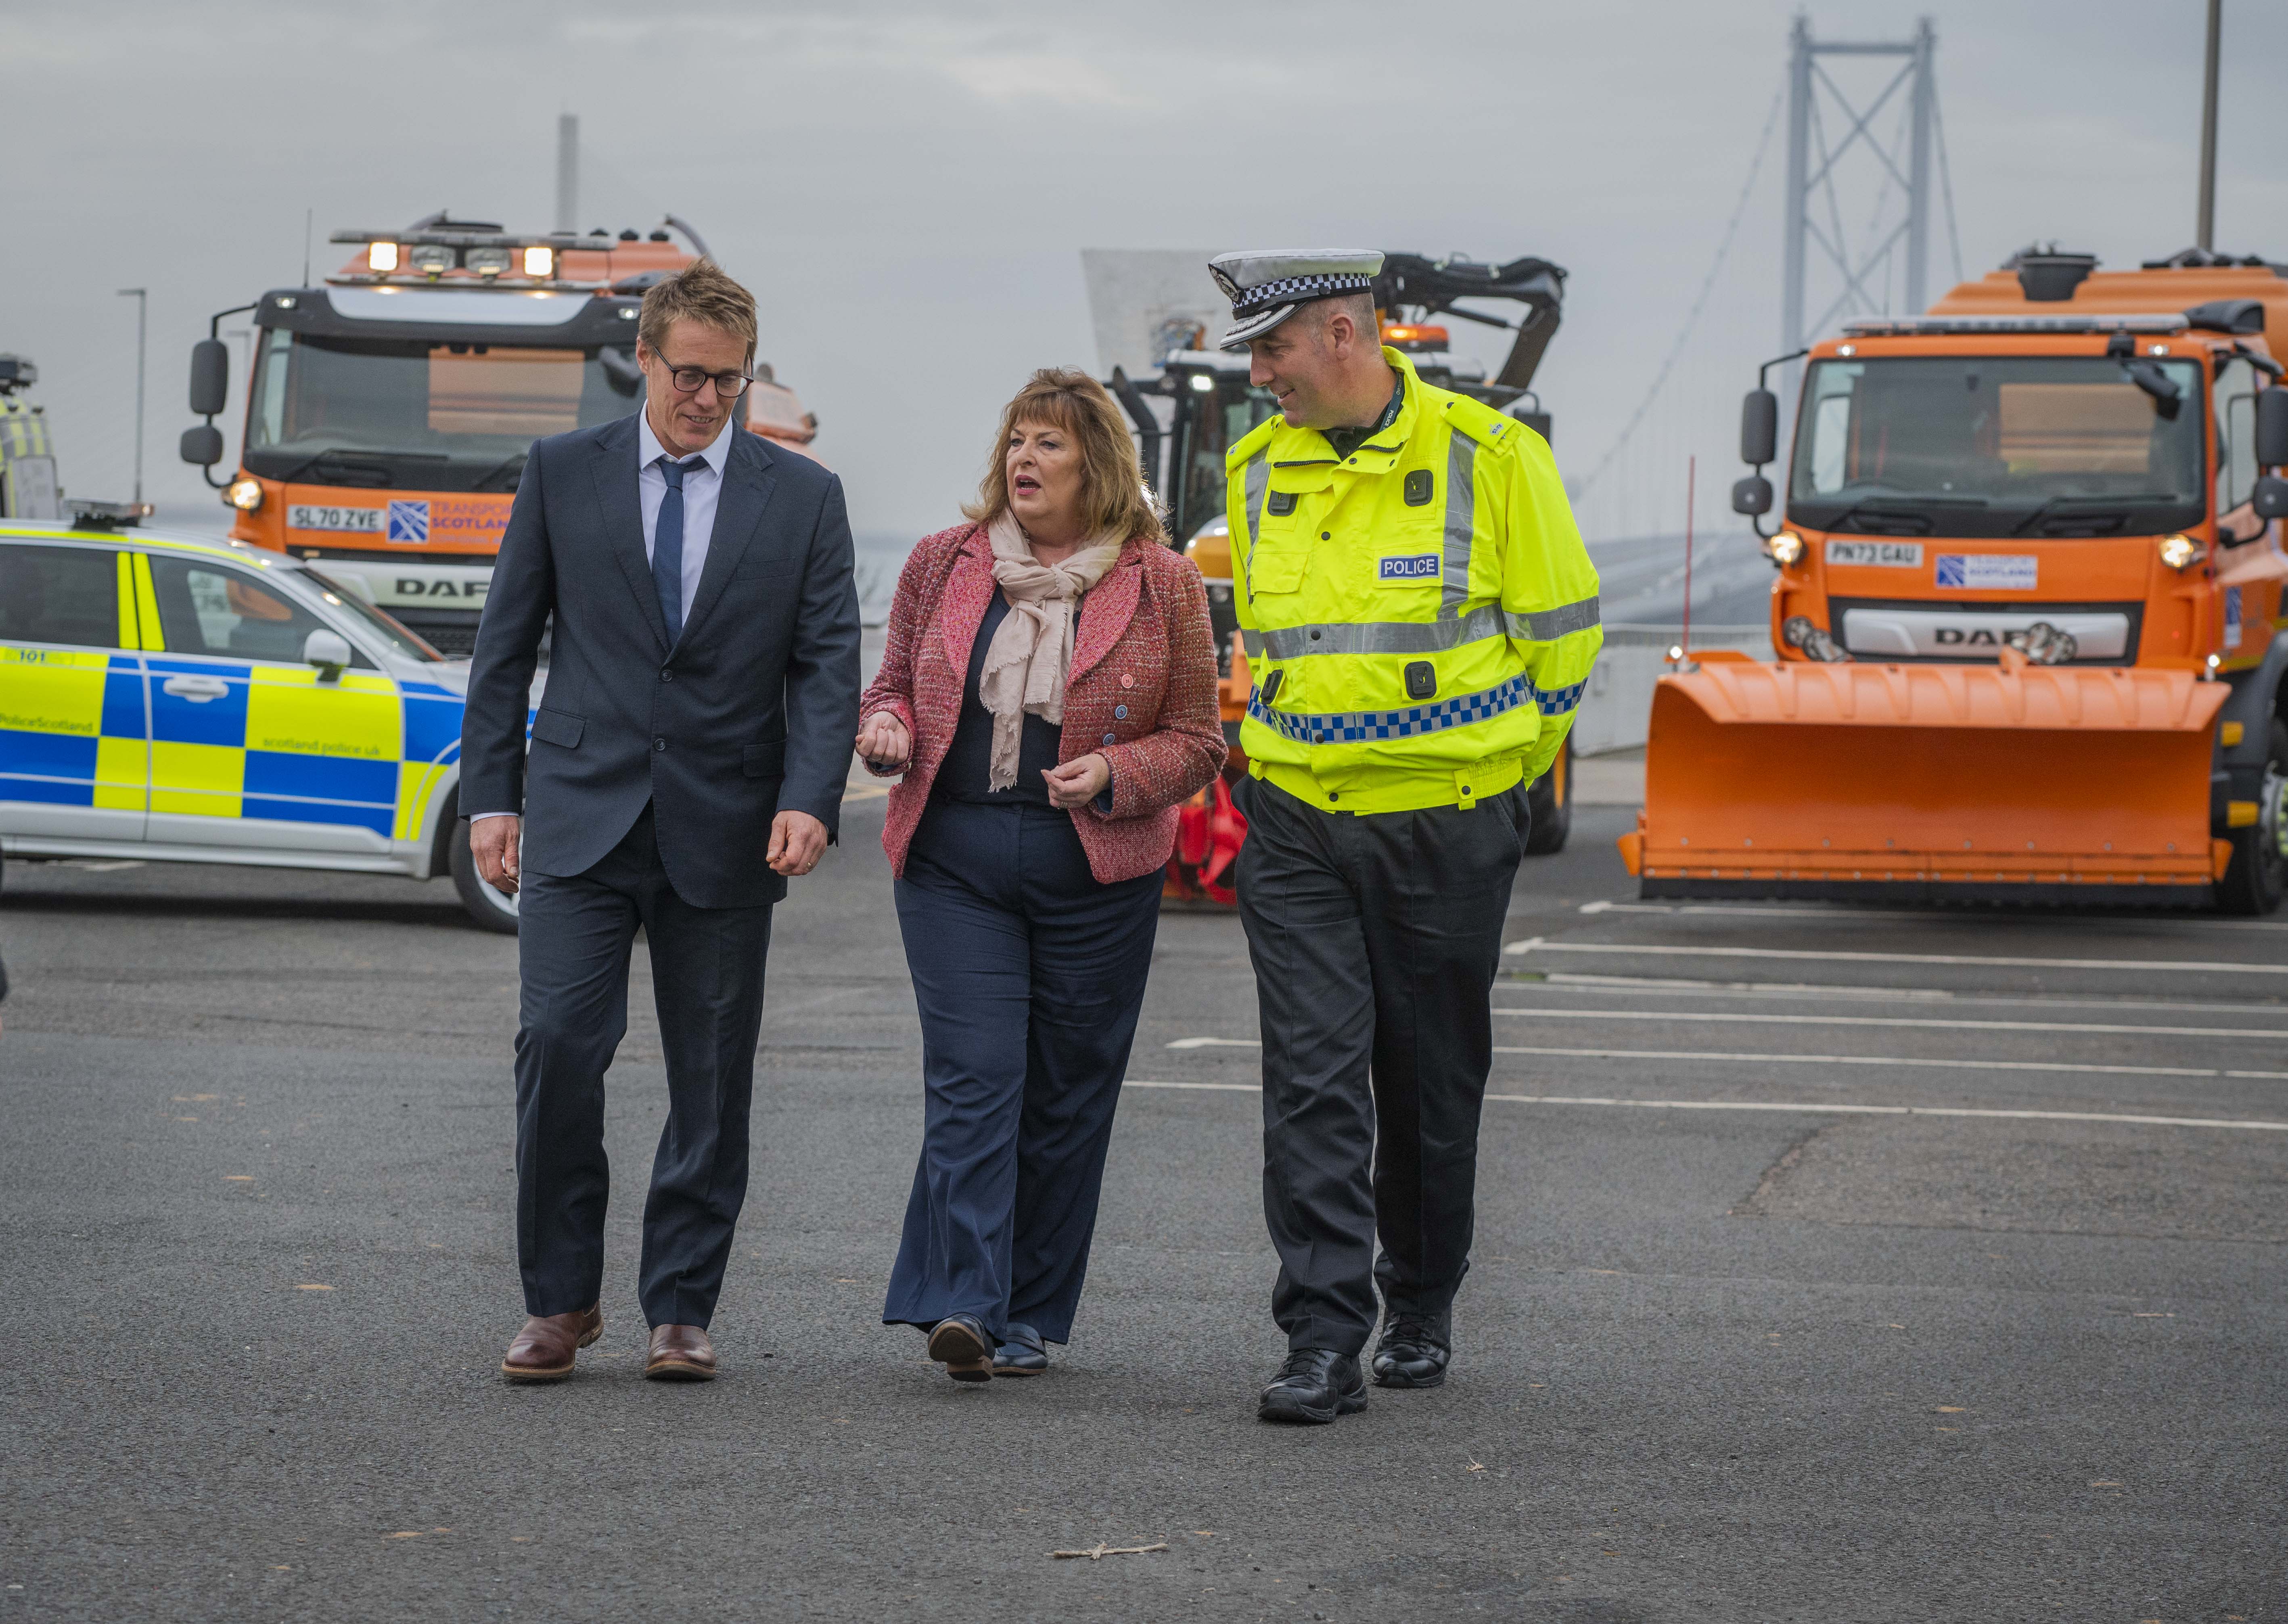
(1142, 692)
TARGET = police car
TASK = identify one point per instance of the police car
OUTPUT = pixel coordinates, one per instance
(188, 700)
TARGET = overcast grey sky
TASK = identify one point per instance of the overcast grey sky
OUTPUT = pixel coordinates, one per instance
(907, 186)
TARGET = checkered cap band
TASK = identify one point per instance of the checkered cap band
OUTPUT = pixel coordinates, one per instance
(1354, 727)
(1292, 290)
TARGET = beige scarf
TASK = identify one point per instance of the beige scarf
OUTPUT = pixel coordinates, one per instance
(1031, 651)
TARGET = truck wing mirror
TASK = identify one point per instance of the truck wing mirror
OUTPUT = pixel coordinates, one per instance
(202, 445)
(209, 376)
(328, 651)
(1752, 495)
(2272, 427)
(1759, 430)
(2271, 497)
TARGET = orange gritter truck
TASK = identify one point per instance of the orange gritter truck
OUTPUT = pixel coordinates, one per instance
(2028, 610)
(390, 408)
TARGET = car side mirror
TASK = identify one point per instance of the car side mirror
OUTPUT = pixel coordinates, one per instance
(209, 376)
(2272, 427)
(202, 445)
(2271, 497)
(328, 651)
(1752, 495)
(1759, 431)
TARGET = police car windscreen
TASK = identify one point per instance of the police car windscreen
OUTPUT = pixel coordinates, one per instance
(420, 414)
(403, 640)
(1988, 445)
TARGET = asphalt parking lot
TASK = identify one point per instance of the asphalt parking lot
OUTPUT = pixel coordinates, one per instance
(1832, 1264)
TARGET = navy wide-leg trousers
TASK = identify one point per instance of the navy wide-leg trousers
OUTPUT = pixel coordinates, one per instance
(1029, 975)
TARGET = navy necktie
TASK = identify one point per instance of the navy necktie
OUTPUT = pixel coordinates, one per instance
(667, 546)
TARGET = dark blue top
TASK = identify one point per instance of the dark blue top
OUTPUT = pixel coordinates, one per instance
(967, 768)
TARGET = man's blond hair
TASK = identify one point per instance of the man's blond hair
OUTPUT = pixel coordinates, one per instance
(699, 292)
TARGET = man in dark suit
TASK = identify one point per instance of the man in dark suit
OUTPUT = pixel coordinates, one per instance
(688, 754)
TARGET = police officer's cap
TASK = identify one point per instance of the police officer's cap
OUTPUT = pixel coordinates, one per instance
(1267, 285)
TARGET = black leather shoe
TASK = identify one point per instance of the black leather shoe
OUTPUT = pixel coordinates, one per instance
(1022, 1354)
(960, 1343)
(1312, 1386)
(1414, 1351)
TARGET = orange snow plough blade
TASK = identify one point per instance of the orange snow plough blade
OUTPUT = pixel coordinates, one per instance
(1929, 782)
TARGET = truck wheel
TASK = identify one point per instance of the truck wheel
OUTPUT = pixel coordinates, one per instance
(1550, 800)
(492, 909)
(2257, 877)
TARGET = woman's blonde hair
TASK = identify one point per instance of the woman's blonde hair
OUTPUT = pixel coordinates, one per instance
(1113, 497)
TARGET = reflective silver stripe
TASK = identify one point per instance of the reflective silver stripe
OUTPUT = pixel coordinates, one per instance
(1252, 642)
(1424, 636)
(1547, 626)
(1388, 636)
(1461, 519)
(1257, 489)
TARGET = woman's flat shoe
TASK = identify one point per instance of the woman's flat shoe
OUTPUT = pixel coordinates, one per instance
(960, 1343)
(1023, 1354)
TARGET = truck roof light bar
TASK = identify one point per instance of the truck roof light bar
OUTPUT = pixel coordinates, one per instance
(1903, 326)
(467, 239)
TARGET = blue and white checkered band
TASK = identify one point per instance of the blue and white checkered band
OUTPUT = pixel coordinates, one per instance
(1294, 290)
(1353, 727)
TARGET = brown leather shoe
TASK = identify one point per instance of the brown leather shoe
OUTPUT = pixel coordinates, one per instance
(681, 1353)
(543, 1351)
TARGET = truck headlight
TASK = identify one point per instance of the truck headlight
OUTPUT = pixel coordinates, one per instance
(1785, 548)
(2178, 552)
(245, 495)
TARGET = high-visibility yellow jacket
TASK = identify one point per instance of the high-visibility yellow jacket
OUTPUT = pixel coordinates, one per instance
(1420, 617)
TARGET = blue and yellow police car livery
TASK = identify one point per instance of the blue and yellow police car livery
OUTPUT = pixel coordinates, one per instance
(190, 700)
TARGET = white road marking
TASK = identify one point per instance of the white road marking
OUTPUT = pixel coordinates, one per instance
(1804, 1107)
(1896, 1060)
(1217, 1043)
(2202, 966)
(1853, 915)
(1569, 981)
(1805, 1019)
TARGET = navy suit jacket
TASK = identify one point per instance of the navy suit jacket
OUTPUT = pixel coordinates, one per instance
(750, 714)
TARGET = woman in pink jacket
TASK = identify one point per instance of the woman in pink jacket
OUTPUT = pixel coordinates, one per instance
(1049, 692)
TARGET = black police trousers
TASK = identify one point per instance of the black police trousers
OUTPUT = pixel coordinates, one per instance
(1375, 939)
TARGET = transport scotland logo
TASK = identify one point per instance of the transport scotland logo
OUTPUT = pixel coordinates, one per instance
(408, 521)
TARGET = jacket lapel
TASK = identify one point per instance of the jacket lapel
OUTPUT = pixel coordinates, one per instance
(623, 515)
(747, 478)
(968, 590)
(1106, 612)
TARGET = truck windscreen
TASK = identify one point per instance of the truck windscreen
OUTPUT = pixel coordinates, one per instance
(1999, 445)
(419, 413)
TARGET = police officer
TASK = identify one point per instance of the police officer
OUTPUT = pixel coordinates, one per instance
(1420, 617)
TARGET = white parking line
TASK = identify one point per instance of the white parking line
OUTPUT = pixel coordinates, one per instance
(1677, 986)
(1805, 1019)
(1804, 1107)
(1854, 915)
(1897, 1060)
(1533, 944)
(1217, 1043)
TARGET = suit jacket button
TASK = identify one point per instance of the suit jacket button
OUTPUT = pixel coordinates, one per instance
(659, 743)
(1120, 712)
(1112, 739)
(667, 676)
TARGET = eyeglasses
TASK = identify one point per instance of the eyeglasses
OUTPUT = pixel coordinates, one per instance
(728, 386)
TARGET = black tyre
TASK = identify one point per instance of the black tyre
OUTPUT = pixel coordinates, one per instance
(2257, 878)
(491, 909)
(1550, 799)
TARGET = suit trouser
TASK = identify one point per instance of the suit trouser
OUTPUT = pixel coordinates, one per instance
(1375, 940)
(573, 939)
(1029, 975)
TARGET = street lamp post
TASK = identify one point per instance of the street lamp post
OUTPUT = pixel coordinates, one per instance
(142, 307)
